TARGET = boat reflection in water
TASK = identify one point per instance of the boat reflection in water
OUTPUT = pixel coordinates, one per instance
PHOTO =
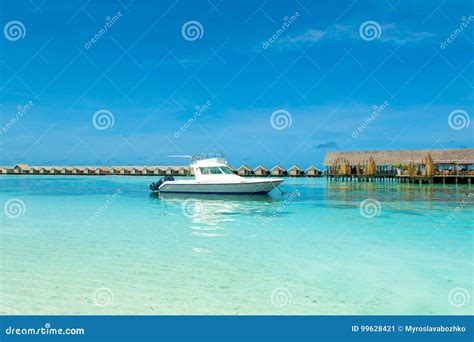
(209, 213)
(213, 197)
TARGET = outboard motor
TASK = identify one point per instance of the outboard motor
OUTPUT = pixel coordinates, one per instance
(156, 185)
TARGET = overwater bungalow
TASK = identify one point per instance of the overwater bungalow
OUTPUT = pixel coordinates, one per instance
(295, 171)
(67, 170)
(182, 171)
(278, 171)
(170, 171)
(149, 170)
(104, 170)
(245, 170)
(160, 170)
(90, 170)
(36, 170)
(21, 169)
(313, 171)
(261, 171)
(78, 170)
(46, 170)
(116, 170)
(137, 170)
(455, 163)
(57, 170)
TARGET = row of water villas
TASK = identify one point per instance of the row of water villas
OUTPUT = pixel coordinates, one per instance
(95, 170)
(422, 166)
(244, 170)
(278, 171)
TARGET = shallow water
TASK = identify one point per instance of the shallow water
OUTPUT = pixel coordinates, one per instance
(103, 245)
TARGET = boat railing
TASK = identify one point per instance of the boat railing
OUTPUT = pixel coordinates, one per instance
(202, 156)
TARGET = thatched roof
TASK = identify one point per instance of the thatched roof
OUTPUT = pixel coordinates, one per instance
(459, 156)
(278, 167)
(260, 167)
(312, 168)
(295, 168)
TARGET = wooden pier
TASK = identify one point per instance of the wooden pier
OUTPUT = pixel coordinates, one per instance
(437, 179)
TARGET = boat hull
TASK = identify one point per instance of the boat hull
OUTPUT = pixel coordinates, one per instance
(250, 187)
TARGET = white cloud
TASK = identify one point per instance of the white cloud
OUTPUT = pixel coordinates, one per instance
(308, 36)
(391, 33)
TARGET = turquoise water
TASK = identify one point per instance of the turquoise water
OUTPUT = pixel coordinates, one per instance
(103, 245)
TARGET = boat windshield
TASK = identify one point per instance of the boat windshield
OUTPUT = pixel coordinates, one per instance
(215, 170)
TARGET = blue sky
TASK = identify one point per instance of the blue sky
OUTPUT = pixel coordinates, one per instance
(321, 71)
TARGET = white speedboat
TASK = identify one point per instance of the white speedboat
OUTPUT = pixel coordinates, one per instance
(213, 176)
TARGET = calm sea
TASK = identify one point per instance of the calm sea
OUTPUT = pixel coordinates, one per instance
(104, 245)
